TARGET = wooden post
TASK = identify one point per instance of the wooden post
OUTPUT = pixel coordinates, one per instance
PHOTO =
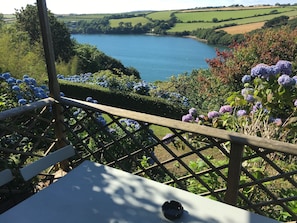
(53, 83)
(234, 171)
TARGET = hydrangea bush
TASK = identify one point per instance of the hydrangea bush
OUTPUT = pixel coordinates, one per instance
(126, 84)
(266, 105)
(15, 92)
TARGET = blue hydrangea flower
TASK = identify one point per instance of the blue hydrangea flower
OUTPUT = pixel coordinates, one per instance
(213, 114)
(226, 109)
(295, 78)
(16, 88)
(284, 66)
(101, 121)
(286, 81)
(6, 75)
(89, 99)
(22, 101)
(246, 79)
(241, 113)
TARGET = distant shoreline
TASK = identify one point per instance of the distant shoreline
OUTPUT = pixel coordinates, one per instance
(195, 38)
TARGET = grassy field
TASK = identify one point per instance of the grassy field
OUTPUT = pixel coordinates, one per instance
(242, 19)
(78, 17)
(207, 16)
(133, 21)
(247, 21)
(162, 15)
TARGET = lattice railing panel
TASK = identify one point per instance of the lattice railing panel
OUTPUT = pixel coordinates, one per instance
(271, 180)
(185, 159)
(27, 136)
(182, 159)
(189, 157)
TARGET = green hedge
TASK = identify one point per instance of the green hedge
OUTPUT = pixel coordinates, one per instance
(134, 102)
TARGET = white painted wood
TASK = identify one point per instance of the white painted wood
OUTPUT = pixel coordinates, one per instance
(95, 193)
(36, 167)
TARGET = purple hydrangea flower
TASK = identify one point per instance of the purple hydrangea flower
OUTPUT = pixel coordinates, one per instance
(284, 66)
(213, 114)
(226, 109)
(168, 138)
(241, 113)
(260, 70)
(187, 118)
(246, 79)
(247, 91)
(277, 121)
(286, 81)
(249, 98)
(295, 103)
(265, 71)
(257, 106)
(274, 70)
(193, 111)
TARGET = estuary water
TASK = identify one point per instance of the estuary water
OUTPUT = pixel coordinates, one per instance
(155, 57)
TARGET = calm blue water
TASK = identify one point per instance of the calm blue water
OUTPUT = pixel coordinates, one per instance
(155, 57)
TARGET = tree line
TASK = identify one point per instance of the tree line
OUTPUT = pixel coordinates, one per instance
(21, 41)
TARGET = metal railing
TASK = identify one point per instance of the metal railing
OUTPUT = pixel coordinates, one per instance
(253, 173)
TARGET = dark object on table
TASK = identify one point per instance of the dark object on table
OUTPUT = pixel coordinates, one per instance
(172, 209)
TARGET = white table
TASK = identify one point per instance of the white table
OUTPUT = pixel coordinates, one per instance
(94, 193)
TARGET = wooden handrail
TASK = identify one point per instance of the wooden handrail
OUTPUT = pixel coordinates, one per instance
(234, 137)
(26, 108)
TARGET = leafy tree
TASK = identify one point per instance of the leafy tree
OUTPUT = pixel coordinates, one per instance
(18, 56)
(92, 60)
(1, 20)
(27, 20)
(277, 22)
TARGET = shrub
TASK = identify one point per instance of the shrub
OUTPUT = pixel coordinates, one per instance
(267, 46)
(265, 107)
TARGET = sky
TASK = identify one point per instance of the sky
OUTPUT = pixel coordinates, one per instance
(118, 6)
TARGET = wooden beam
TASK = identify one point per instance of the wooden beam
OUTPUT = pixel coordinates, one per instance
(54, 86)
(234, 171)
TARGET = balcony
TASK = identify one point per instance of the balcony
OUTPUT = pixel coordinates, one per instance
(252, 173)
(249, 172)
